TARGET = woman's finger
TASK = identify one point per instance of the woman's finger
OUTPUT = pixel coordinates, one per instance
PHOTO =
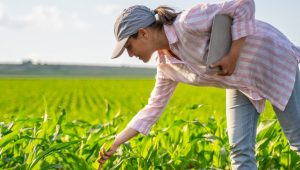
(223, 73)
(215, 65)
(108, 153)
(102, 150)
(104, 155)
(100, 166)
(102, 161)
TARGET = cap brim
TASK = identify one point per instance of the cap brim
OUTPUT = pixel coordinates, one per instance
(119, 48)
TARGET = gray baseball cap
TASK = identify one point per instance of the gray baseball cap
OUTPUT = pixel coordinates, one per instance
(128, 23)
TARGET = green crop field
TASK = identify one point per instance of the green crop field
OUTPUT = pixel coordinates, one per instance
(61, 123)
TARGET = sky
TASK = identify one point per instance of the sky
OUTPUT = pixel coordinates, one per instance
(81, 32)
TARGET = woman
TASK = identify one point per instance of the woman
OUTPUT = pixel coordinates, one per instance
(261, 64)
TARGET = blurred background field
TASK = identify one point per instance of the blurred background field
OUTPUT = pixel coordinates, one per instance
(87, 98)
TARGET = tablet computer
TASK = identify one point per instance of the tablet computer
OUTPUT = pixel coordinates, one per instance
(220, 41)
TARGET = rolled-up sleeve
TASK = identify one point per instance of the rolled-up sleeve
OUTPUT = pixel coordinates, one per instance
(145, 118)
(242, 12)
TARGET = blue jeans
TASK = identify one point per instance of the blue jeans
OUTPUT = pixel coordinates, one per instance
(242, 120)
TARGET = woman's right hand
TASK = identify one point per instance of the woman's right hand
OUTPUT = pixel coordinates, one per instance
(104, 155)
(121, 138)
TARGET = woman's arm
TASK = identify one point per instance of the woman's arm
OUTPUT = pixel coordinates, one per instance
(142, 122)
(242, 12)
(200, 17)
(148, 116)
(124, 136)
(228, 62)
(121, 138)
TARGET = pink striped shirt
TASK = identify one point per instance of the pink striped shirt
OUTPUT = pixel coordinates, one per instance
(266, 67)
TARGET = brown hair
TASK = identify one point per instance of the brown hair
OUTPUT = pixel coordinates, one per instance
(166, 15)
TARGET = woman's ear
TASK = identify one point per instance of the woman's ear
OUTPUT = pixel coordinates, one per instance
(143, 33)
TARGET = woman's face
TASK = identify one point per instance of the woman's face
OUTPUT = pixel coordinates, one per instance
(142, 46)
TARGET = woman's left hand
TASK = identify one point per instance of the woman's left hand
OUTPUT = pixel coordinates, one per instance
(229, 61)
(227, 65)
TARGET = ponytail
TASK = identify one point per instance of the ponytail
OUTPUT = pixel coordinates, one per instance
(165, 16)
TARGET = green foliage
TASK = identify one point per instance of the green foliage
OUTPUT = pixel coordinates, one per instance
(63, 123)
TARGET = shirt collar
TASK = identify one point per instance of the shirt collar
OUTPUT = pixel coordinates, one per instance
(172, 39)
(161, 58)
(171, 34)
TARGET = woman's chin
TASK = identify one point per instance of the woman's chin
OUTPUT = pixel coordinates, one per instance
(148, 59)
(145, 60)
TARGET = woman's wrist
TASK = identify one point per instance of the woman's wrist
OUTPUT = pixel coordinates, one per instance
(124, 136)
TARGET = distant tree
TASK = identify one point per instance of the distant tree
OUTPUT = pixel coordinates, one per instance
(27, 62)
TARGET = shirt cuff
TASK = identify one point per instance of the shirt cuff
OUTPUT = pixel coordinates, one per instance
(140, 126)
